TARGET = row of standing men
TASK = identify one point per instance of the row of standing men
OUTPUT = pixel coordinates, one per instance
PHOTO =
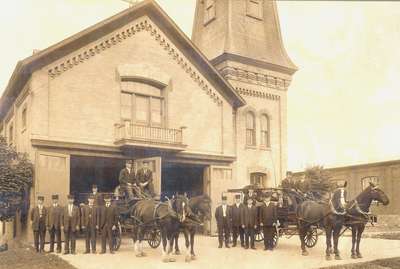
(244, 219)
(97, 216)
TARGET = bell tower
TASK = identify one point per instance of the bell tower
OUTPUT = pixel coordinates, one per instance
(242, 39)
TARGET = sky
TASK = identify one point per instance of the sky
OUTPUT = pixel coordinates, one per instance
(343, 103)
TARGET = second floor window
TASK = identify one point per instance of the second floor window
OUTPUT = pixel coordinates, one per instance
(142, 109)
(11, 134)
(250, 129)
(23, 118)
(265, 131)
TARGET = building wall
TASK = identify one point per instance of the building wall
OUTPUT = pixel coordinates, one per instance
(388, 174)
(77, 98)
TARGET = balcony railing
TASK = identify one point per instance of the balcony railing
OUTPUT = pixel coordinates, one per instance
(129, 132)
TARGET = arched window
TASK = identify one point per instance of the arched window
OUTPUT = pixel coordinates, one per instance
(265, 131)
(250, 129)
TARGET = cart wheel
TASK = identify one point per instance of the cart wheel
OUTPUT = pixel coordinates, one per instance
(116, 239)
(311, 237)
(154, 238)
(259, 236)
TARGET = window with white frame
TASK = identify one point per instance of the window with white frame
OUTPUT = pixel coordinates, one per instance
(250, 129)
(258, 179)
(11, 134)
(142, 109)
(265, 130)
(209, 10)
(369, 179)
(23, 118)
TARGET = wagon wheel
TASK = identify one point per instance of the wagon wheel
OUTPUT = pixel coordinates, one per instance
(275, 240)
(154, 238)
(116, 237)
(311, 237)
(259, 236)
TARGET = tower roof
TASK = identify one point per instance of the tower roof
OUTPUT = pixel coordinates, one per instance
(247, 31)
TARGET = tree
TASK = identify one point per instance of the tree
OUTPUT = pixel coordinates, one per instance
(318, 180)
(16, 177)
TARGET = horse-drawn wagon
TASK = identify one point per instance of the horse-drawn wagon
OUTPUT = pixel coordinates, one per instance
(286, 201)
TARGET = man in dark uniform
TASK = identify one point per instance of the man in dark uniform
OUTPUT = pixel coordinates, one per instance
(223, 218)
(249, 222)
(237, 229)
(89, 224)
(288, 182)
(107, 220)
(38, 218)
(144, 179)
(98, 198)
(268, 220)
(70, 225)
(54, 223)
(127, 179)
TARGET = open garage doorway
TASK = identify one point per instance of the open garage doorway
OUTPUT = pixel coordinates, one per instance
(86, 171)
(181, 178)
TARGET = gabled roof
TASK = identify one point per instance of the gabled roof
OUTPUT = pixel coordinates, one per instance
(26, 67)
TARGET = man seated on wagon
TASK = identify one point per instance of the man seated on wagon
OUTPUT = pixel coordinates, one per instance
(144, 179)
(127, 179)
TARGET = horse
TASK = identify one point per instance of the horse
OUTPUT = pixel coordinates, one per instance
(200, 206)
(149, 213)
(329, 215)
(358, 214)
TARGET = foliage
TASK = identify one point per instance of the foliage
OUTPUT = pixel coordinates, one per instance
(318, 180)
(16, 176)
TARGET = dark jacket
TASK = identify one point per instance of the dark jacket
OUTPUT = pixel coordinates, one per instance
(98, 199)
(219, 215)
(143, 176)
(73, 221)
(54, 217)
(126, 177)
(248, 217)
(35, 217)
(268, 214)
(89, 216)
(236, 212)
(107, 217)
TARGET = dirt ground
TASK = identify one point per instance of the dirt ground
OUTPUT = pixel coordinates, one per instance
(393, 263)
(287, 255)
(27, 258)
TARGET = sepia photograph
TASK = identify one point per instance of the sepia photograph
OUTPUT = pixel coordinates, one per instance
(199, 134)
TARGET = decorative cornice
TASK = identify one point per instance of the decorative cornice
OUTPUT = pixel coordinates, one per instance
(120, 36)
(239, 74)
(259, 94)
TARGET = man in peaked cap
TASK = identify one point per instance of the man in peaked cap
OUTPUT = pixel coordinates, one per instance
(127, 179)
(38, 218)
(144, 179)
(223, 217)
(107, 220)
(237, 229)
(268, 220)
(54, 223)
(70, 225)
(89, 223)
(249, 222)
(98, 198)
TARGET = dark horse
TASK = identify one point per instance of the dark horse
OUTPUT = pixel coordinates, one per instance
(200, 206)
(358, 214)
(166, 216)
(329, 215)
